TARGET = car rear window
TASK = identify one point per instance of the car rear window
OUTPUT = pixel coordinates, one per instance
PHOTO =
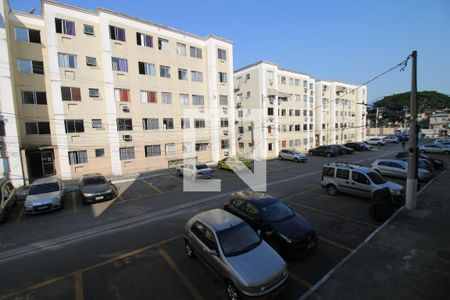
(328, 172)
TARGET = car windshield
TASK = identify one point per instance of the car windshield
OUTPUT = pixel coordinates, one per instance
(201, 167)
(44, 188)
(94, 180)
(238, 239)
(276, 212)
(376, 178)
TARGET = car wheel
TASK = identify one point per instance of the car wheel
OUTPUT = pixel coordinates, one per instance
(332, 190)
(296, 159)
(232, 291)
(279, 157)
(188, 249)
(179, 173)
(328, 154)
(310, 153)
(379, 144)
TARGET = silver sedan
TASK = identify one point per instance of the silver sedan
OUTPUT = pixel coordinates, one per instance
(235, 253)
(396, 168)
(435, 148)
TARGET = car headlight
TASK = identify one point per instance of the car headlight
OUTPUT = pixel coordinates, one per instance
(109, 191)
(56, 200)
(28, 203)
(287, 239)
(88, 195)
(396, 192)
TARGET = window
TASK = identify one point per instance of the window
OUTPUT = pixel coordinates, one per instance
(223, 122)
(144, 40)
(187, 147)
(91, 61)
(181, 49)
(65, 26)
(196, 52)
(166, 98)
(201, 146)
(270, 111)
(297, 82)
(328, 172)
(291, 81)
(184, 99)
(150, 123)
(344, 174)
(182, 74)
(163, 44)
(34, 98)
(238, 80)
(198, 100)
(119, 64)
(148, 97)
(297, 127)
(240, 113)
(96, 123)
(126, 153)
(305, 126)
(164, 71)
(27, 35)
(70, 93)
(30, 66)
(222, 77)
(297, 112)
(222, 54)
(269, 75)
(199, 123)
(117, 33)
(241, 145)
(170, 149)
(152, 150)
(121, 95)
(94, 93)
(37, 127)
(247, 77)
(269, 146)
(224, 144)
(124, 124)
(269, 129)
(146, 68)
(197, 76)
(168, 123)
(88, 29)
(77, 157)
(74, 126)
(360, 178)
(100, 152)
(223, 99)
(185, 123)
(241, 129)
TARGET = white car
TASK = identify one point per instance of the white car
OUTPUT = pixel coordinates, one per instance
(45, 194)
(435, 148)
(396, 168)
(392, 139)
(195, 171)
(376, 141)
(441, 141)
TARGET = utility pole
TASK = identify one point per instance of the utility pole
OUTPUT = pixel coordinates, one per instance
(411, 181)
(376, 124)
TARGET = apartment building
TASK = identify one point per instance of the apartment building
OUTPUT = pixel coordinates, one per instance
(99, 91)
(279, 108)
(340, 113)
(275, 110)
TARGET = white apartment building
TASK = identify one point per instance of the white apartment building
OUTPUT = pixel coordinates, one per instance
(279, 108)
(99, 91)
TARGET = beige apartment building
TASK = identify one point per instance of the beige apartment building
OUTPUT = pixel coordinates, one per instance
(283, 109)
(99, 91)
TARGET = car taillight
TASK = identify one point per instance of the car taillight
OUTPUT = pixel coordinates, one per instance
(226, 205)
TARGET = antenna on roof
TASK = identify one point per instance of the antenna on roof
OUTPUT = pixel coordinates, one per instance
(32, 11)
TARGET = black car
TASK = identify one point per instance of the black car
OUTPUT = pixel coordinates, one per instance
(327, 151)
(344, 150)
(437, 163)
(357, 146)
(94, 188)
(280, 226)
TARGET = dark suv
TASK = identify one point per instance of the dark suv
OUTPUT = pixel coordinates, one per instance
(280, 226)
(327, 151)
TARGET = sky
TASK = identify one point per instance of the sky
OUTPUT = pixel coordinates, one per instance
(347, 40)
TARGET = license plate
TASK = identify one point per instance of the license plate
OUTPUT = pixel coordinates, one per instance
(42, 207)
(310, 245)
(99, 198)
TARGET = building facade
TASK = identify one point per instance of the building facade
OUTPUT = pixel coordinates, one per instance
(98, 91)
(278, 108)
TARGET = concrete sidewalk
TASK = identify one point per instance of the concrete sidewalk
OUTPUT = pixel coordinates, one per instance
(408, 258)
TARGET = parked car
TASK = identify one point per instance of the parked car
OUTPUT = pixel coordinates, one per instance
(234, 163)
(235, 253)
(423, 164)
(441, 141)
(94, 188)
(357, 180)
(437, 163)
(344, 150)
(376, 141)
(434, 148)
(45, 194)
(327, 151)
(280, 225)
(392, 139)
(357, 146)
(397, 168)
(195, 171)
(8, 200)
(293, 155)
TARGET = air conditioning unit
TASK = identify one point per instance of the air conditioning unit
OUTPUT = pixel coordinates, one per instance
(201, 109)
(238, 105)
(127, 137)
(225, 153)
(271, 82)
(240, 137)
(225, 132)
(270, 119)
(125, 108)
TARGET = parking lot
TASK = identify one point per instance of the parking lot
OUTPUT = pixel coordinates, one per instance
(133, 247)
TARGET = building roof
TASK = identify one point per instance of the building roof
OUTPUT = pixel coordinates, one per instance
(269, 63)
